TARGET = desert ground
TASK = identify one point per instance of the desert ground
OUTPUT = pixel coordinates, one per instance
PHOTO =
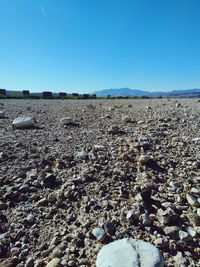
(122, 168)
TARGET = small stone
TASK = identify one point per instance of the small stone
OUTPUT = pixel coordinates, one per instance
(194, 219)
(82, 155)
(143, 139)
(71, 263)
(3, 206)
(52, 197)
(66, 121)
(196, 139)
(163, 216)
(144, 160)
(41, 202)
(145, 219)
(159, 242)
(23, 122)
(172, 231)
(54, 263)
(56, 253)
(127, 119)
(83, 261)
(99, 233)
(192, 232)
(49, 180)
(9, 263)
(114, 129)
(174, 184)
(109, 228)
(192, 200)
(2, 114)
(29, 262)
(184, 236)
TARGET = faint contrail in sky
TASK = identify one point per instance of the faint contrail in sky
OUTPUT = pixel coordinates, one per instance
(43, 10)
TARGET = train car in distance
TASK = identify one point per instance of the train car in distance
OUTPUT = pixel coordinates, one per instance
(26, 92)
(86, 96)
(61, 94)
(75, 94)
(2, 91)
(47, 94)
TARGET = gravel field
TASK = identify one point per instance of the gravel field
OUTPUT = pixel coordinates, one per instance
(121, 168)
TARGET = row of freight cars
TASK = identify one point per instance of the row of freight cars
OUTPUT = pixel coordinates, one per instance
(48, 94)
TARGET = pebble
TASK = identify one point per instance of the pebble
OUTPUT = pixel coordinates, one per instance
(67, 121)
(2, 114)
(54, 263)
(99, 233)
(184, 236)
(23, 122)
(82, 155)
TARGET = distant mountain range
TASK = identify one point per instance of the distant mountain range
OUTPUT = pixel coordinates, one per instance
(136, 92)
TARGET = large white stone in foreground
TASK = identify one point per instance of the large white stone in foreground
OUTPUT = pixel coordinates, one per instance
(23, 122)
(129, 252)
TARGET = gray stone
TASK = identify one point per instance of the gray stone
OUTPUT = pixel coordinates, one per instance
(194, 219)
(54, 263)
(192, 200)
(82, 155)
(2, 114)
(129, 252)
(114, 129)
(66, 121)
(172, 231)
(23, 122)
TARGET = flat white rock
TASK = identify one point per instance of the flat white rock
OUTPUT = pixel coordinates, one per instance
(196, 139)
(2, 114)
(66, 121)
(23, 122)
(129, 252)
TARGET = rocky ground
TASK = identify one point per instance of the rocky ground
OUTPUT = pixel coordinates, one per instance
(124, 168)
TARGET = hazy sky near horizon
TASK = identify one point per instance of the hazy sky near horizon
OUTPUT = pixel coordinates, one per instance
(87, 45)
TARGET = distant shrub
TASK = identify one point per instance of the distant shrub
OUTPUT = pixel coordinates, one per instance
(3, 96)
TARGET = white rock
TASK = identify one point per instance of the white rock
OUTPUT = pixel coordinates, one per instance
(82, 155)
(191, 231)
(196, 139)
(193, 201)
(2, 114)
(143, 138)
(129, 252)
(23, 122)
(185, 236)
(66, 121)
(54, 263)
(99, 233)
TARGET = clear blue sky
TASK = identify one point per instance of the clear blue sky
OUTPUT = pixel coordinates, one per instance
(86, 45)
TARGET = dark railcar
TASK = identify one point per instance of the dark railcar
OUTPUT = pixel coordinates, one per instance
(47, 94)
(26, 92)
(61, 94)
(86, 96)
(75, 94)
(2, 91)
